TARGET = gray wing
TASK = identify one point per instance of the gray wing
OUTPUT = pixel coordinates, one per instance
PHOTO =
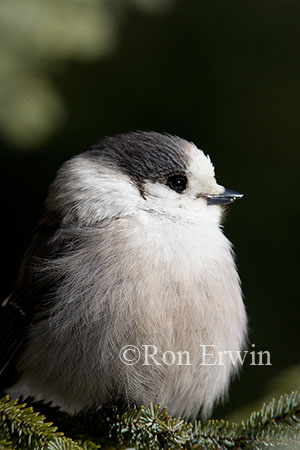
(31, 292)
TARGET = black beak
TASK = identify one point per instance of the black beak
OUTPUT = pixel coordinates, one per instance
(227, 197)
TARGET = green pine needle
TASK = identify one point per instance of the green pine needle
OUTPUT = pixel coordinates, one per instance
(276, 425)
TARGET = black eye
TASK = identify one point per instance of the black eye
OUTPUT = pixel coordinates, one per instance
(177, 182)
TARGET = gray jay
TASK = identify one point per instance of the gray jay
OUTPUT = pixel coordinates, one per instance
(128, 269)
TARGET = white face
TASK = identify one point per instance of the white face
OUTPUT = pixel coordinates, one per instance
(92, 192)
(189, 203)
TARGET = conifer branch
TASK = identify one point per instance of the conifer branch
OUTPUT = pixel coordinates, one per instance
(22, 428)
(276, 424)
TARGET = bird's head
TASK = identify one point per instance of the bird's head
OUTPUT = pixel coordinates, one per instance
(139, 171)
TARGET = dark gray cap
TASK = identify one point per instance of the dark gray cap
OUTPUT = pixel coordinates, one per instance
(143, 155)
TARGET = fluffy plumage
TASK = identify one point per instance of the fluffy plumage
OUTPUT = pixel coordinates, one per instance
(120, 258)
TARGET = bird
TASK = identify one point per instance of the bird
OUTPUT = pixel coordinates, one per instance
(128, 268)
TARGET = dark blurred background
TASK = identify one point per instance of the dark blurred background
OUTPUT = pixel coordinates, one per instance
(224, 74)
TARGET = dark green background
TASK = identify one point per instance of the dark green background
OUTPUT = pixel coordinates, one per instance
(226, 75)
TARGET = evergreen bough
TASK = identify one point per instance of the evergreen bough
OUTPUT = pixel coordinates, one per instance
(276, 425)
